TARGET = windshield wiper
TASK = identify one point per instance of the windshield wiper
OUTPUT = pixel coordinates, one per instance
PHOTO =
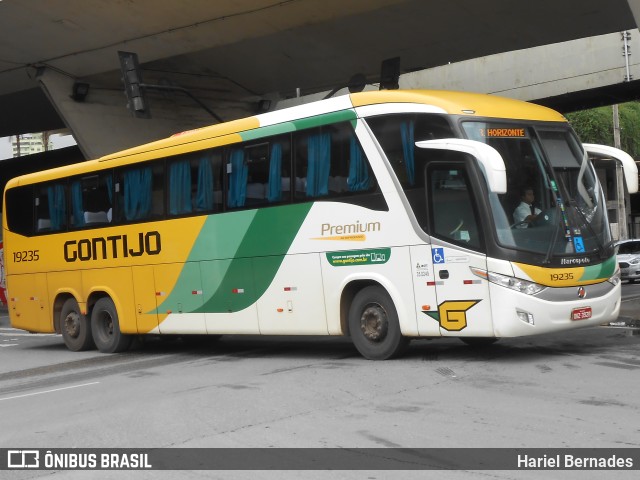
(554, 239)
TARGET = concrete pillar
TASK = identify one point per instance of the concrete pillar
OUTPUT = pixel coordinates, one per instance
(101, 124)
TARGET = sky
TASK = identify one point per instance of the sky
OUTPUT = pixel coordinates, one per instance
(59, 141)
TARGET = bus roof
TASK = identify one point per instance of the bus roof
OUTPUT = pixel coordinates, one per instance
(462, 103)
(449, 102)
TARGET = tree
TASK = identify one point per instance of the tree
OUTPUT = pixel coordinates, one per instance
(596, 126)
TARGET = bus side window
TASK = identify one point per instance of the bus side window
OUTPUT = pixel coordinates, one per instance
(451, 206)
(397, 134)
(278, 180)
(237, 175)
(257, 161)
(20, 217)
(312, 163)
(91, 200)
(195, 183)
(140, 192)
(51, 207)
(208, 191)
(258, 174)
(330, 162)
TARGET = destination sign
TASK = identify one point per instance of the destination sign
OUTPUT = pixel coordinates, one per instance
(503, 132)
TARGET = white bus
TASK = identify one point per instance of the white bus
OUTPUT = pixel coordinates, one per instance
(383, 216)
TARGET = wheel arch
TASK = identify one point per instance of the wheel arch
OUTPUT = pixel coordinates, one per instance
(348, 294)
(94, 296)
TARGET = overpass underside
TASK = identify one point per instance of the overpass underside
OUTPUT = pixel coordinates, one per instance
(566, 76)
(232, 55)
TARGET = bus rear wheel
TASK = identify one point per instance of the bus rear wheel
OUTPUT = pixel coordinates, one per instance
(374, 326)
(75, 327)
(106, 328)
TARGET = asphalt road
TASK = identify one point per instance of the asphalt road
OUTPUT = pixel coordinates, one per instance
(577, 389)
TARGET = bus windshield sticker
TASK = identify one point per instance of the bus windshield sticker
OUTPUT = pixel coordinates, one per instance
(359, 257)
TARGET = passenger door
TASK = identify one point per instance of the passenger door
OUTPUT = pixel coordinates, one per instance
(463, 303)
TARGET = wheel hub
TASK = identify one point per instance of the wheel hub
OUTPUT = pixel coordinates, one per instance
(72, 324)
(107, 324)
(374, 323)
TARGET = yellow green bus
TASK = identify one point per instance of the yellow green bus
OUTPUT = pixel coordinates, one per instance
(382, 216)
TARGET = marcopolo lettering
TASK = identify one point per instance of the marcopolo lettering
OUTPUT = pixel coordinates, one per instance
(114, 246)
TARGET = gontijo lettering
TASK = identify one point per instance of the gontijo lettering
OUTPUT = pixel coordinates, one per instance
(102, 248)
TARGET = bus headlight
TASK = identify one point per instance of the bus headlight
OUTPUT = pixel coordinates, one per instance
(517, 284)
(615, 278)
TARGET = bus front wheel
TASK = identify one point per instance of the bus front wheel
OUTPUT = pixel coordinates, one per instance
(106, 328)
(75, 327)
(374, 325)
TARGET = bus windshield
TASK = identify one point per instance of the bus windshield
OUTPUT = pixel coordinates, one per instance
(553, 205)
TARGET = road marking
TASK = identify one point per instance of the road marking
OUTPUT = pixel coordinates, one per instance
(49, 391)
(10, 345)
(10, 334)
(17, 332)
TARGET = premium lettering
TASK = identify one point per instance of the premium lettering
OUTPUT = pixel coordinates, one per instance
(114, 246)
(351, 228)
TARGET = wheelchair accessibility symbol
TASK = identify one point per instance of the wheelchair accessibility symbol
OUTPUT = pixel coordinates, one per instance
(438, 255)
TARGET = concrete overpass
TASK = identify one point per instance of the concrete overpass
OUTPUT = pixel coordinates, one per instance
(582, 73)
(232, 55)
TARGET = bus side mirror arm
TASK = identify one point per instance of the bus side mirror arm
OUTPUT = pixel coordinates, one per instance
(488, 157)
(629, 166)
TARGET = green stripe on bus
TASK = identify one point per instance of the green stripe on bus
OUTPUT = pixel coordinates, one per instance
(248, 248)
(303, 123)
(603, 270)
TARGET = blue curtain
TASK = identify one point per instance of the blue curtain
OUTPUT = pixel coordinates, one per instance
(57, 206)
(274, 193)
(358, 179)
(238, 179)
(205, 200)
(180, 187)
(319, 158)
(137, 193)
(108, 180)
(76, 203)
(408, 144)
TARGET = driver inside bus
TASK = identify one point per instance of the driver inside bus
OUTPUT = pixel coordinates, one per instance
(525, 213)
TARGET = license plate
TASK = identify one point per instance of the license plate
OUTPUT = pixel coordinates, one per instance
(581, 313)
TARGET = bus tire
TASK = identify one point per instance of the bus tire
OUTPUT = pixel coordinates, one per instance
(75, 327)
(106, 328)
(374, 326)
